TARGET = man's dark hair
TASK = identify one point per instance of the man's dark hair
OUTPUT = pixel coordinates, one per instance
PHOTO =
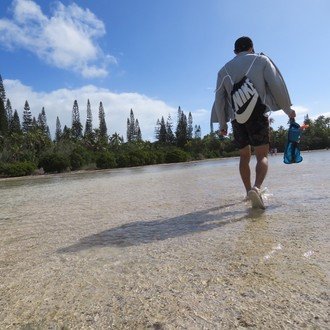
(243, 44)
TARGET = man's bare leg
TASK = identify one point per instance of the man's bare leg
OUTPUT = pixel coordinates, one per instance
(244, 167)
(261, 153)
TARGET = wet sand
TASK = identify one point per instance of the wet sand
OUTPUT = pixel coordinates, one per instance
(167, 247)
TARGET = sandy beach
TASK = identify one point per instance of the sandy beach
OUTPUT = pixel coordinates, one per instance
(167, 247)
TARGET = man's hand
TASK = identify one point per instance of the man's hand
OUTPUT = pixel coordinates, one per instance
(223, 132)
(292, 114)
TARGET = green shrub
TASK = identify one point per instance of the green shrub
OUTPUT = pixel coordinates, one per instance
(54, 162)
(137, 157)
(151, 157)
(131, 157)
(105, 160)
(17, 169)
(234, 153)
(76, 160)
(159, 157)
(176, 156)
(122, 159)
(79, 157)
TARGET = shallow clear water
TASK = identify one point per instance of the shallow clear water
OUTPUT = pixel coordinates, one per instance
(166, 246)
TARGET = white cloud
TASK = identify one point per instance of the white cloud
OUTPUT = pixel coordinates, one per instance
(27, 10)
(66, 40)
(281, 119)
(315, 116)
(117, 106)
(300, 110)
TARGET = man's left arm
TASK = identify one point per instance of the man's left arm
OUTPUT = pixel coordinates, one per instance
(277, 87)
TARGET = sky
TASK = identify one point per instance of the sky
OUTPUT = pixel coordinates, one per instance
(154, 56)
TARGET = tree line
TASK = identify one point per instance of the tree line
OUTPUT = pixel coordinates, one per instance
(26, 146)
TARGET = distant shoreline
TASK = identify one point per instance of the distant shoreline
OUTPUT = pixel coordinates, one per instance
(69, 173)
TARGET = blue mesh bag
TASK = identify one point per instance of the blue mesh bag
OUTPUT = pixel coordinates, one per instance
(291, 151)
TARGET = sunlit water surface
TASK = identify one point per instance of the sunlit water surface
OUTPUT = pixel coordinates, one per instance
(166, 246)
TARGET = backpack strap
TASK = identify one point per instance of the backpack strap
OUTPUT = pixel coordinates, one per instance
(231, 80)
(227, 75)
(251, 65)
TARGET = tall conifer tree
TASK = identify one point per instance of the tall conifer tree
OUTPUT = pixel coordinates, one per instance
(27, 118)
(190, 127)
(169, 131)
(137, 131)
(76, 124)
(3, 119)
(307, 121)
(34, 123)
(198, 132)
(66, 134)
(162, 131)
(128, 135)
(131, 127)
(9, 111)
(58, 131)
(157, 130)
(181, 130)
(2, 91)
(42, 122)
(103, 125)
(89, 119)
(15, 125)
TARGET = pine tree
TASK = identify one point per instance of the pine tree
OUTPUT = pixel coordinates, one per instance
(169, 132)
(3, 119)
(27, 118)
(42, 121)
(157, 130)
(2, 91)
(15, 125)
(48, 133)
(181, 130)
(58, 131)
(103, 125)
(137, 131)
(131, 127)
(67, 133)
(307, 121)
(198, 132)
(76, 124)
(34, 123)
(190, 127)
(128, 135)
(162, 131)
(9, 111)
(89, 124)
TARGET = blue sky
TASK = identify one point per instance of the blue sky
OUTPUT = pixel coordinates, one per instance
(154, 56)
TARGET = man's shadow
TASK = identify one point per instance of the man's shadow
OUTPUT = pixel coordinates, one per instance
(144, 232)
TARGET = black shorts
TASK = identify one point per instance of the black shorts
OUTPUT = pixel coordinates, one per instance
(254, 132)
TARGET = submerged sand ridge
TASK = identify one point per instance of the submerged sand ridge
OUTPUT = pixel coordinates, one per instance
(166, 247)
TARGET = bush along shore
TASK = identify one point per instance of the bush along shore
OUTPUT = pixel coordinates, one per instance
(27, 148)
(69, 155)
(34, 152)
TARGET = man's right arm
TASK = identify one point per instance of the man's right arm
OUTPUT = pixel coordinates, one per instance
(220, 103)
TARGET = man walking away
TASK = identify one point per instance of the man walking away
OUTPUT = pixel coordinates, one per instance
(248, 88)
